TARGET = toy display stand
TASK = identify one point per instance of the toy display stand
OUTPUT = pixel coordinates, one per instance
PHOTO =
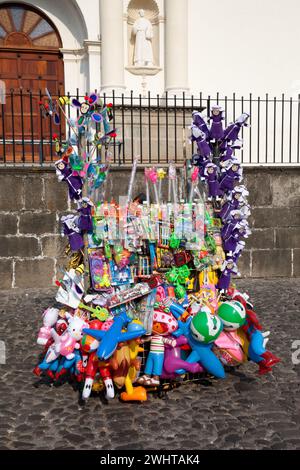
(147, 300)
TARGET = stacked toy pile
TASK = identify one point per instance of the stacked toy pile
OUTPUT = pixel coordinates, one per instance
(147, 297)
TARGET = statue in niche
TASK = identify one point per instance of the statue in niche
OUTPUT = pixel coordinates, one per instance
(143, 32)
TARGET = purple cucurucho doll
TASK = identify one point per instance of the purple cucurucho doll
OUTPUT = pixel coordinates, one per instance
(228, 227)
(216, 129)
(85, 218)
(230, 243)
(238, 250)
(200, 122)
(71, 229)
(231, 132)
(228, 268)
(227, 207)
(65, 173)
(211, 176)
(232, 174)
(200, 138)
(201, 163)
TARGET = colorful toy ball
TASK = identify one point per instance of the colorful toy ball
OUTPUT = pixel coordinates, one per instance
(232, 314)
(206, 327)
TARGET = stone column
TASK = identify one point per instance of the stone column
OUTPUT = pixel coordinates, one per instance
(112, 46)
(176, 47)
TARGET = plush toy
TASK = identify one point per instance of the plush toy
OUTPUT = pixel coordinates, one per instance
(211, 176)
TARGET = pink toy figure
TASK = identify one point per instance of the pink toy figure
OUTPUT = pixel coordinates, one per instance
(151, 175)
(228, 348)
(50, 317)
(65, 344)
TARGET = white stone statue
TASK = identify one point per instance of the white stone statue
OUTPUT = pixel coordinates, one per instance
(143, 32)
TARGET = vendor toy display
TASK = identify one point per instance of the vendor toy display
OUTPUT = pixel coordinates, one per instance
(148, 297)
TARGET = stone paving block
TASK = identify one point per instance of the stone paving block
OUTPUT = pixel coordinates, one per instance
(287, 237)
(34, 273)
(33, 192)
(263, 217)
(6, 273)
(8, 224)
(258, 184)
(296, 262)
(37, 223)
(23, 247)
(261, 238)
(53, 246)
(11, 192)
(56, 194)
(286, 188)
(271, 263)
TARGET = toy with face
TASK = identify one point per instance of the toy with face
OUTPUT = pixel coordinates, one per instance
(85, 219)
(229, 267)
(211, 176)
(65, 173)
(163, 325)
(73, 232)
(200, 332)
(232, 174)
(216, 129)
(65, 344)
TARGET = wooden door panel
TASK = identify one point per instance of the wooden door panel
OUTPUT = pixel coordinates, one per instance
(30, 72)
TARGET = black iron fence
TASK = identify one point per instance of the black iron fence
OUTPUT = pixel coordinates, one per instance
(153, 127)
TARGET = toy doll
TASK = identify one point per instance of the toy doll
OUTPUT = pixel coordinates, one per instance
(232, 174)
(211, 177)
(229, 267)
(231, 133)
(216, 129)
(163, 325)
(85, 218)
(201, 163)
(73, 232)
(65, 173)
(200, 138)
(200, 122)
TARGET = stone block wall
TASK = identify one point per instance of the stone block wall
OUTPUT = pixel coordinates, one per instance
(32, 202)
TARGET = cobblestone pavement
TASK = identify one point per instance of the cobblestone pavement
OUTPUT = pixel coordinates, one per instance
(244, 411)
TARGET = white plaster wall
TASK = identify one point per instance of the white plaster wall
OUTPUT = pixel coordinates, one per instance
(244, 46)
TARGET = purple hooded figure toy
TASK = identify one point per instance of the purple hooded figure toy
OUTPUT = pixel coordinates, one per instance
(71, 229)
(216, 129)
(211, 176)
(65, 173)
(231, 132)
(238, 250)
(200, 138)
(85, 218)
(200, 122)
(232, 174)
(201, 163)
(228, 267)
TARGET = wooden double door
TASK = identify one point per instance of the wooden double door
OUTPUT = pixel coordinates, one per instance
(24, 135)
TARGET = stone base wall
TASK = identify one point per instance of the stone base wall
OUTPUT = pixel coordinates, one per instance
(32, 202)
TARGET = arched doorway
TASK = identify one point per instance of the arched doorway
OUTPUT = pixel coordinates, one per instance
(30, 61)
